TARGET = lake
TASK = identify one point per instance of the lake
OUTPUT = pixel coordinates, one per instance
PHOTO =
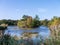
(14, 30)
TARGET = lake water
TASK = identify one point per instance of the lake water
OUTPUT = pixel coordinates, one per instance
(14, 30)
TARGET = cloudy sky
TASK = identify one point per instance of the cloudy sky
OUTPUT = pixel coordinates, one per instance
(15, 9)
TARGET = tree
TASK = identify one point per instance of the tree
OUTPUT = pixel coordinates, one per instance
(25, 17)
(45, 22)
(29, 22)
(54, 26)
(36, 22)
(36, 17)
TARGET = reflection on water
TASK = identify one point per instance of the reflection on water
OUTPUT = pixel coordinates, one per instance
(41, 31)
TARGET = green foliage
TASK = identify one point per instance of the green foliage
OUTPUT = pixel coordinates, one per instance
(54, 26)
(8, 40)
(2, 28)
(9, 22)
(29, 22)
(35, 23)
(45, 22)
(55, 21)
(36, 17)
(25, 17)
(52, 41)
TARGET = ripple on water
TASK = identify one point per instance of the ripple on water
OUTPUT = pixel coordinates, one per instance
(14, 30)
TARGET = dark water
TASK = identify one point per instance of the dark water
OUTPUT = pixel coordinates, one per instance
(14, 30)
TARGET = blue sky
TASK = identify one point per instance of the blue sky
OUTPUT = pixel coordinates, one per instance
(15, 9)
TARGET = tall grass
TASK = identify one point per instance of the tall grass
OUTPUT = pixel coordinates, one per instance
(8, 40)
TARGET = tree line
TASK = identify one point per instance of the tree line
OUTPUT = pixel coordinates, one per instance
(9, 22)
(28, 21)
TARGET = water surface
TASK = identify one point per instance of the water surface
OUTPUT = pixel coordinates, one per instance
(14, 30)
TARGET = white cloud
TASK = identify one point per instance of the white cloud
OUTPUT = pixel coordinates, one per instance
(41, 10)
